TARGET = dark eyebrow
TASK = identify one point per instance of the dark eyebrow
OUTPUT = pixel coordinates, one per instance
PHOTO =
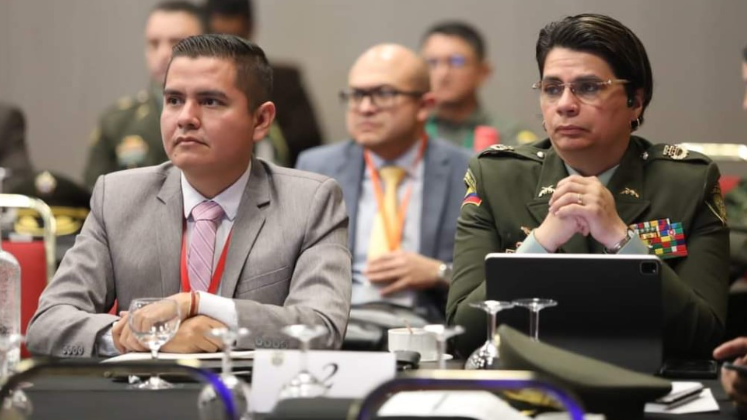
(582, 78)
(212, 94)
(172, 92)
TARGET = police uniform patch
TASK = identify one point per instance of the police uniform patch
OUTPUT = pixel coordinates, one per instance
(716, 203)
(131, 151)
(471, 196)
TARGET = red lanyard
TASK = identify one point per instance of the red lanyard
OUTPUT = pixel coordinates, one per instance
(393, 232)
(215, 281)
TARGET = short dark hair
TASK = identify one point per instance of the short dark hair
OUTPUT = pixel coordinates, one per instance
(235, 8)
(464, 31)
(253, 72)
(744, 54)
(609, 40)
(174, 6)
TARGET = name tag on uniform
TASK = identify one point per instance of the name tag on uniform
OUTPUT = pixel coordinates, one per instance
(345, 374)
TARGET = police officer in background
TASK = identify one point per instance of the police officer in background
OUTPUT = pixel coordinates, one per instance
(455, 53)
(129, 134)
(588, 186)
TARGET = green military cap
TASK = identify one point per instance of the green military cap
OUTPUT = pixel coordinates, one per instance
(69, 202)
(602, 388)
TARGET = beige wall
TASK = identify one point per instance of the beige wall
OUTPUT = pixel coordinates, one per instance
(64, 61)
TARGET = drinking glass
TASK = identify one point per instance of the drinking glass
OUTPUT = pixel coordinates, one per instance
(535, 305)
(487, 355)
(154, 321)
(17, 404)
(304, 384)
(443, 333)
(208, 403)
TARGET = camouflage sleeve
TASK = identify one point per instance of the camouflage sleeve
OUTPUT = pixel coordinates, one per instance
(476, 236)
(696, 287)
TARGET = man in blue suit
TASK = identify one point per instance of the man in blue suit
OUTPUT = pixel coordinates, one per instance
(403, 190)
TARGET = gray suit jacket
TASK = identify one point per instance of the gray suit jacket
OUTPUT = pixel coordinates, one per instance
(287, 262)
(443, 191)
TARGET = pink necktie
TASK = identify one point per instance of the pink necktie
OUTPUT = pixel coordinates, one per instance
(202, 244)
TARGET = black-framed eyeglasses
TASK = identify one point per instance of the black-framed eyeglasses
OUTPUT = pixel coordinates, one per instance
(381, 97)
(586, 90)
(455, 61)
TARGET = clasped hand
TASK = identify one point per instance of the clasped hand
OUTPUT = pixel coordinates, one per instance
(580, 205)
(402, 270)
(191, 337)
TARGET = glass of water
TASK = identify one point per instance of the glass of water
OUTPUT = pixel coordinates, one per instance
(154, 321)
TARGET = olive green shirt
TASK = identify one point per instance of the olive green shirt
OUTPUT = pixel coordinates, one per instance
(462, 133)
(508, 195)
(128, 136)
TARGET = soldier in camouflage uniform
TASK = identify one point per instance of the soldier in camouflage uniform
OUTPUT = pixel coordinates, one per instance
(455, 53)
(129, 133)
(581, 190)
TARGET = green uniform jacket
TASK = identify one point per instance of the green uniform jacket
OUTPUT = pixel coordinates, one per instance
(648, 185)
(128, 136)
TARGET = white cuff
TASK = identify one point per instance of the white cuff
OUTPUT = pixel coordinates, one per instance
(219, 308)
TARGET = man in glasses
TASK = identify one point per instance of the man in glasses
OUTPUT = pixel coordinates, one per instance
(455, 53)
(401, 186)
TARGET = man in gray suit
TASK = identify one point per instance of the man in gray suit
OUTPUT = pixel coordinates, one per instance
(388, 102)
(277, 235)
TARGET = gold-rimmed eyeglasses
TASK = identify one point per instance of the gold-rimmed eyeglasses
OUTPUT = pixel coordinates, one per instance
(586, 90)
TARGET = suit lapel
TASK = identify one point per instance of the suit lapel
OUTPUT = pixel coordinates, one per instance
(171, 219)
(436, 174)
(349, 174)
(246, 227)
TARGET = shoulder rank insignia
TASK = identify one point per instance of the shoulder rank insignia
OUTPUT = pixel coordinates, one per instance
(663, 238)
(471, 196)
(501, 148)
(546, 190)
(675, 151)
(630, 191)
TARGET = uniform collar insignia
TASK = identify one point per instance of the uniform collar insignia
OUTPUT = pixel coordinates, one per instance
(546, 190)
(630, 191)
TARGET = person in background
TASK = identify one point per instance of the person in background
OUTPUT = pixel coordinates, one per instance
(128, 134)
(734, 383)
(401, 186)
(234, 240)
(14, 155)
(591, 186)
(295, 128)
(456, 55)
